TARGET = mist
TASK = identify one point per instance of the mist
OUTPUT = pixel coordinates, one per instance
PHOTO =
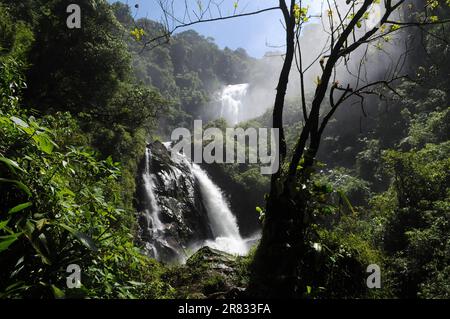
(383, 59)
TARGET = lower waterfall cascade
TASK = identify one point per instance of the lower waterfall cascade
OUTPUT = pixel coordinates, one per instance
(154, 225)
(222, 227)
(222, 221)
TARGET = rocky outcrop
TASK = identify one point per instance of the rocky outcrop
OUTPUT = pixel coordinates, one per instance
(210, 273)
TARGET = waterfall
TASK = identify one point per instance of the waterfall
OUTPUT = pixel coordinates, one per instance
(149, 184)
(222, 221)
(231, 100)
(155, 227)
(159, 230)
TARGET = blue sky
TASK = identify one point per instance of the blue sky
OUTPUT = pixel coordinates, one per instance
(253, 33)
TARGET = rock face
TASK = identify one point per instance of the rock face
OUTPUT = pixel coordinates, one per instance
(182, 214)
(210, 273)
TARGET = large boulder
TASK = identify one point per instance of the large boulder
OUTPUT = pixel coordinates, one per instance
(209, 273)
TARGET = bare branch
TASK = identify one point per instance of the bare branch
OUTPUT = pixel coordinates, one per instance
(168, 33)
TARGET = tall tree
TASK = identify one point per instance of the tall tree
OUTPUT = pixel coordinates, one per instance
(283, 243)
(76, 69)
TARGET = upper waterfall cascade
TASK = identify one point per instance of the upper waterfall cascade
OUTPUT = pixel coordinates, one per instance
(231, 100)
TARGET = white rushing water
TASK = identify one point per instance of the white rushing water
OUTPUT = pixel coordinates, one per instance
(154, 210)
(155, 225)
(222, 221)
(231, 99)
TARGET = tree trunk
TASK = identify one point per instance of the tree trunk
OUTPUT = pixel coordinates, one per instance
(277, 116)
(275, 272)
(274, 266)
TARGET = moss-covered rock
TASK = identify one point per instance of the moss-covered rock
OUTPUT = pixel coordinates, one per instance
(209, 273)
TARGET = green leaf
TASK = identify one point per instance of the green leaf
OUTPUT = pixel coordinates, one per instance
(19, 207)
(328, 188)
(65, 192)
(43, 239)
(19, 184)
(86, 240)
(44, 143)
(328, 209)
(346, 201)
(17, 286)
(19, 121)
(11, 164)
(6, 241)
(28, 229)
(3, 224)
(82, 237)
(37, 242)
(58, 293)
(136, 283)
(68, 228)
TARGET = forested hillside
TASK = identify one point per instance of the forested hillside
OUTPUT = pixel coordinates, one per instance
(187, 70)
(78, 109)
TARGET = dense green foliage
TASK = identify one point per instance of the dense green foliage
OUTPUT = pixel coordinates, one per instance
(63, 201)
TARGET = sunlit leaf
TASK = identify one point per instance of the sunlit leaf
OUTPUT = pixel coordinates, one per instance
(19, 122)
(44, 143)
(86, 240)
(41, 223)
(395, 27)
(11, 164)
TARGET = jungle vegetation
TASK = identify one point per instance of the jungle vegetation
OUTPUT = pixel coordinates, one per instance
(76, 112)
